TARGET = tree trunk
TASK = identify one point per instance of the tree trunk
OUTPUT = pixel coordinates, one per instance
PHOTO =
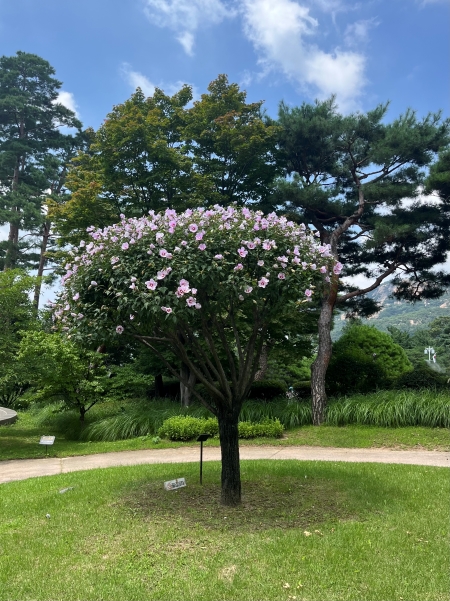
(263, 365)
(159, 386)
(82, 413)
(229, 444)
(320, 365)
(185, 391)
(42, 262)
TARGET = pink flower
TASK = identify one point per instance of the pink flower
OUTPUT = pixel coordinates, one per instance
(76, 296)
(131, 317)
(313, 266)
(119, 329)
(238, 267)
(248, 289)
(281, 276)
(133, 286)
(193, 227)
(241, 298)
(163, 253)
(198, 306)
(184, 283)
(296, 261)
(201, 246)
(191, 301)
(125, 246)
(151, 284)
(263, 282)
(251, 245)
(323, 269)
(199, 235)
(168, 310)
(93, 283)
(194, 291)
(260, 263)
(308, 292)
(218, 257)
(242, 252)
(337, 268)
(133, 279)
(266, 245)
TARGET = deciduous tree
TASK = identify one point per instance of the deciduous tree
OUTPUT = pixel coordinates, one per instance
(206, 284)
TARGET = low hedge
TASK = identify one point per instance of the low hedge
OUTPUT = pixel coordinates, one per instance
(185, 427)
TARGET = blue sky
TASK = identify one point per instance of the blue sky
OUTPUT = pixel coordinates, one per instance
(365, 52)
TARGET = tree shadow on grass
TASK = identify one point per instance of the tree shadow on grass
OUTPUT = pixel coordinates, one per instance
(273, 497)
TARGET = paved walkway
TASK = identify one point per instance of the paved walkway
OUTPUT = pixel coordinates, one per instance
(21, 469)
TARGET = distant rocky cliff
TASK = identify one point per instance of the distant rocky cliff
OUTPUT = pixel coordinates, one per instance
(401, 314)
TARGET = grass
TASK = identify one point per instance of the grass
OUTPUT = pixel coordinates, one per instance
(309, 531)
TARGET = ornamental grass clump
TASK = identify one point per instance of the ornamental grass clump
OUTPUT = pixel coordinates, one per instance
(200, 288)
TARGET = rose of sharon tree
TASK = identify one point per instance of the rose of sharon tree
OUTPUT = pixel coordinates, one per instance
(205, 284)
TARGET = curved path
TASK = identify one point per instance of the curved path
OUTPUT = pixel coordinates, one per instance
(7, 416)
(21, 469)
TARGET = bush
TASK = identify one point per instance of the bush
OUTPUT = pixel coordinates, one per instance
(185, 427)
(365, 359)
(302, 388)
(267, 428)
(267, 389)
(421, 377)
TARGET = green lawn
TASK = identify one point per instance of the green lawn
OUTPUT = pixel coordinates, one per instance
(20, 440)
(306, 531)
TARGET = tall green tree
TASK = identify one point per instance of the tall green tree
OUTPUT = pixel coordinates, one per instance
(233, 145)
(30, 122)
(156, 153)
(348, 177)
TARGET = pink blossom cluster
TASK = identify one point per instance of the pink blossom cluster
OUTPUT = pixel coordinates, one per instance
(170, 241)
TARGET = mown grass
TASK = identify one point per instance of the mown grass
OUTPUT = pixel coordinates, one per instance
(309, 531)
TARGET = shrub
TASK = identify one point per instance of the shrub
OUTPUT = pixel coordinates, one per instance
(365, 359)
(185, 427)
(267, 389)
(267, 428)
(302, 388)
(421, 377)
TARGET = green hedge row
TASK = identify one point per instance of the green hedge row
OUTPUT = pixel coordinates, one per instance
(185, 427)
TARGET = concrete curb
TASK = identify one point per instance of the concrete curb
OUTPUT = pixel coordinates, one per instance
(21, 469)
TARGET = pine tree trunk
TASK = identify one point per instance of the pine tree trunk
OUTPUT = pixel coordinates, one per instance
(42, 261)
(320, 365)
(229, 444)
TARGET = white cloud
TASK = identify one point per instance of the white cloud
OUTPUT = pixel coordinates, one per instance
(137, 80)
(358, 33)
(185, 17)
(186, 39)
(67, 99)
(283, 31)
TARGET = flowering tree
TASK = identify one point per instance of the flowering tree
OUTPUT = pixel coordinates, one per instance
(206, 284)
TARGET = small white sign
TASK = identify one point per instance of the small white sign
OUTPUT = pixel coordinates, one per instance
(174, 484)
(47, 440)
